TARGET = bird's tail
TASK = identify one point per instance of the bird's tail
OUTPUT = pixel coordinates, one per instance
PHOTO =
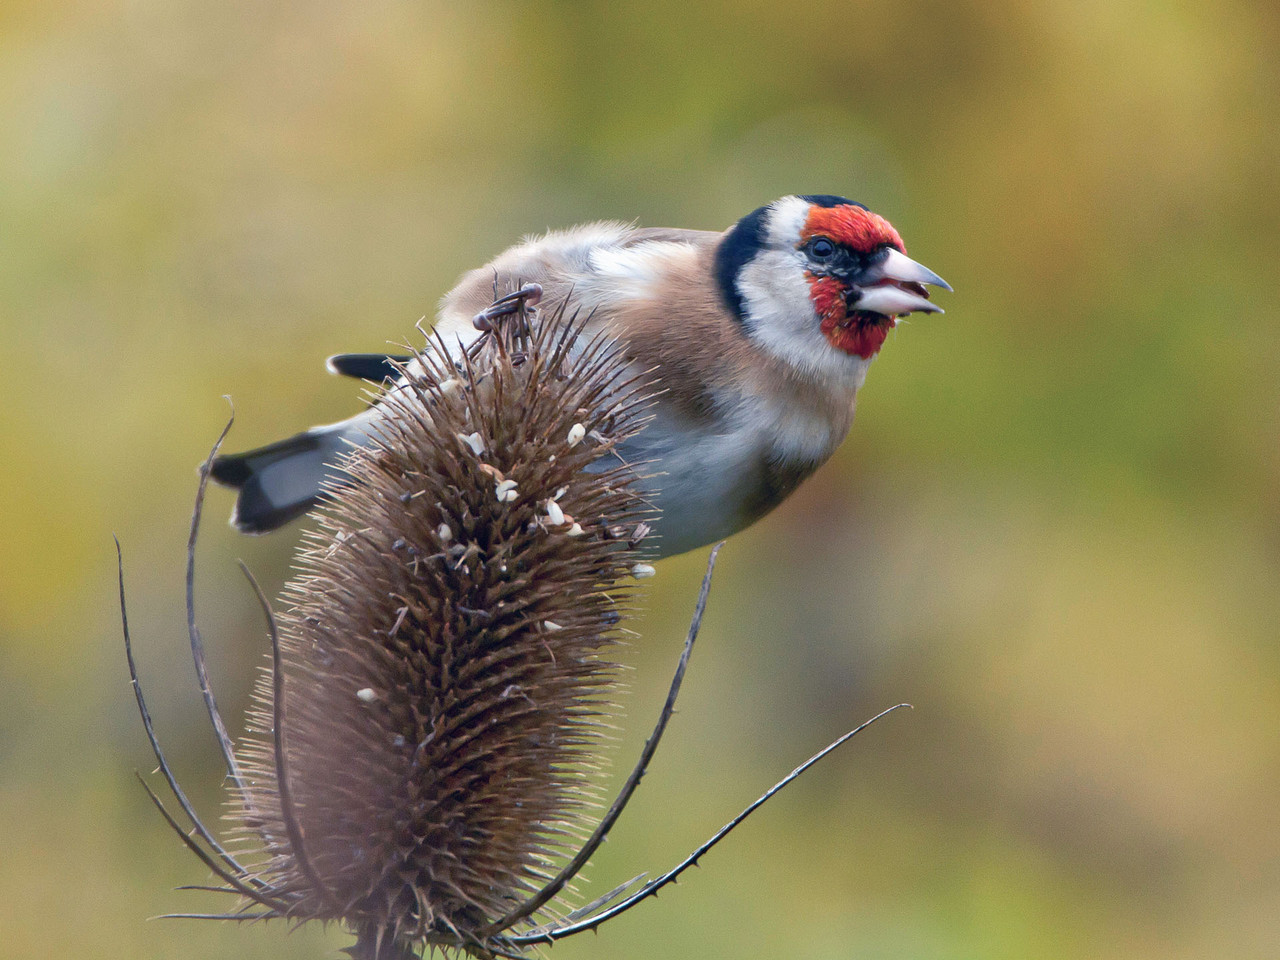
(285, 479)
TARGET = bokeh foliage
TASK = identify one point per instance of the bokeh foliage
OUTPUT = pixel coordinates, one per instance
(1055, 528)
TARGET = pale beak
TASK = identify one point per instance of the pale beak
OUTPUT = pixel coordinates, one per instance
(893, 301)
(895, 286)
(898, 266)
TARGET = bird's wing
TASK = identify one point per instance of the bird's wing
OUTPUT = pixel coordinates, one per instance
(670, 235)
(577, 266)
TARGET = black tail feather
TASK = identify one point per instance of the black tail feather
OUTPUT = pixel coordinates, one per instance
(254, 512)
(235, 469)
(374, 367)
(281, 481)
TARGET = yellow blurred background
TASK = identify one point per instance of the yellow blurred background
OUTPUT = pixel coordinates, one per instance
(1055, 528)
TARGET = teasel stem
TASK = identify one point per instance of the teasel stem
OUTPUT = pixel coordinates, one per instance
(229, 869)
(601, 833)
(193, 632)
(650, 889)
(282, 755)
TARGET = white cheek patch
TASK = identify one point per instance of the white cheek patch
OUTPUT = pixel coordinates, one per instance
(776, 296)
(783, 322)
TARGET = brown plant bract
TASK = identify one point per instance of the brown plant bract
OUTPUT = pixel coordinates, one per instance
(442, 657)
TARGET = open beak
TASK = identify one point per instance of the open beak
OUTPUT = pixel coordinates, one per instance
(896, 286)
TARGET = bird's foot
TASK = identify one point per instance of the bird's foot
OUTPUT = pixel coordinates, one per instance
(522, 301)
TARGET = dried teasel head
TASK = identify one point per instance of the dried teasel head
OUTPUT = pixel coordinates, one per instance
(444, 667)
(417, 757)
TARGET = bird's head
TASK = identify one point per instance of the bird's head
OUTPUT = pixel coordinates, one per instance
(820, 280)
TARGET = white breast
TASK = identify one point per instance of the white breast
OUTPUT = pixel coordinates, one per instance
(709, 478)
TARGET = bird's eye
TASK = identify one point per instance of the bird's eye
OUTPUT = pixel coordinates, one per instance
(822, 249)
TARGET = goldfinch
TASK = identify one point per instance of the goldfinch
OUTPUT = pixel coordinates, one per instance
(759, 338)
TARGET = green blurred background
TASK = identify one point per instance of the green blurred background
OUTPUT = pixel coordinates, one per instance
(1055, 528)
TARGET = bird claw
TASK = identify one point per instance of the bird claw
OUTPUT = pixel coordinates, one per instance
(520, 301)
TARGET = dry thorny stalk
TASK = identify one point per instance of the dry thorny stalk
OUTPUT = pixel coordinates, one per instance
(417, 754)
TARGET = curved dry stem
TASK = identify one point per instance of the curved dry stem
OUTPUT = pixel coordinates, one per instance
(285, 791)
(218, 916)
(193, 632)
(588, 909)
(223, 873)
(178, 793)
(651, 888)
(598, 836)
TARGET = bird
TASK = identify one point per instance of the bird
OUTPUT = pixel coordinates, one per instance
(757, 338)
